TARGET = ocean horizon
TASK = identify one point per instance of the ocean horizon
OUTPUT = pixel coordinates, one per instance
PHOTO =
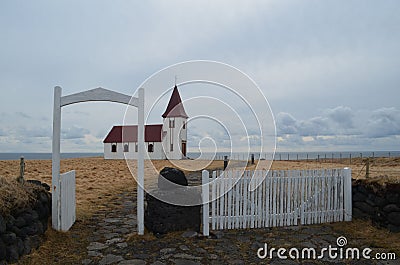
(220, 155)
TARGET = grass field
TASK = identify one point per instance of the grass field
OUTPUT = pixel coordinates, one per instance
(98, 180)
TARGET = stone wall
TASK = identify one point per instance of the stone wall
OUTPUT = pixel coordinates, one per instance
(377, 202)
(161, 217)
(21, 230)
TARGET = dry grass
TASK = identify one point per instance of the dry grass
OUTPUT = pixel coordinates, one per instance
(98, 180)
(14, 195)
(377, 237)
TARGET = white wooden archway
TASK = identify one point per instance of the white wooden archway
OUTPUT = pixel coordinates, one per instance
(97, 94)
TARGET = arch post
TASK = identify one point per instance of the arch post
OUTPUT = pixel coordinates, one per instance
(140, 164)
(55, 160)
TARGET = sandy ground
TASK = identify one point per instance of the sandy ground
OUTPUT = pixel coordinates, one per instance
(98, 179)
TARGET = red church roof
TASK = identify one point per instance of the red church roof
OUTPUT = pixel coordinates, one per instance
(175, 107)
(152, 133)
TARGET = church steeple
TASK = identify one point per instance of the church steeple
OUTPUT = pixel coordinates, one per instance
(175, 107)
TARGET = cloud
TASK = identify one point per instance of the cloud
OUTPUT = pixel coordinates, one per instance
(383, 122)
(286, 123)
(74, 132)
(343, 116)
(340, 127)
(23, 115)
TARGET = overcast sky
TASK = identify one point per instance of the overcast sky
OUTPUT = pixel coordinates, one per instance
(329, 69)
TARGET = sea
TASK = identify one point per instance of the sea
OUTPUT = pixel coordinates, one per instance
(221, 155)
(298, 155)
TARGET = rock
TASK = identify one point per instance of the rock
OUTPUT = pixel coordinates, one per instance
(10, 222)
(96, 246)
(185, 262)
(391, 208)
(20, 222)
(132, 262)
(12, 253)
(35, 241)
(43, 198)
(27, 246)
(167, 250)
(46, 186)
(393, 228)
(122, 245)
(394, 218)
(392, 197)
(379, 201)
(114, 240)
(92, 253)
(30, 230)
(201, 250)
(3, 225)
(168, 175)
(86, 261)
(184, 247)
(2, 250)
(20, 246)
(9, 238)
(110, 235)
(109, 259)
(365, 207)
(29, 216)
(19, 232)
(189, 234)
(158, 263)
(236, 262)
(358, 197)
(186, 256)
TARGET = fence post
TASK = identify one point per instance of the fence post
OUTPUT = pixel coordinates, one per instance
(347, 194)
(225, 162)
(205, 200)
(21, 170)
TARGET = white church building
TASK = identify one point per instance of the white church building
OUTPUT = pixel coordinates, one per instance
(162, 141)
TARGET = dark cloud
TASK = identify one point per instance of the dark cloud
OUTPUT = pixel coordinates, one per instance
(383, 122)
(286, 123)
(342, 116)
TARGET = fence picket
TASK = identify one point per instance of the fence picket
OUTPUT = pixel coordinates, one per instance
(282, 198)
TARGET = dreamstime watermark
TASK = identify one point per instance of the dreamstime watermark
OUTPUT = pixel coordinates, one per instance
(330, 252)
(226, 113)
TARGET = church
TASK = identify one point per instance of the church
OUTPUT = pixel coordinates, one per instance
(162, 141)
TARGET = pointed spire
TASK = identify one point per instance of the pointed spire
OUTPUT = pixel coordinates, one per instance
(175, 107)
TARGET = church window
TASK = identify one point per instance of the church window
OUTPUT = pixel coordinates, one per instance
(126, 148)
(150, 148)
(114, 148)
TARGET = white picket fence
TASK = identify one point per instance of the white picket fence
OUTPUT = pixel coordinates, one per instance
(282, 198)
(68, 201)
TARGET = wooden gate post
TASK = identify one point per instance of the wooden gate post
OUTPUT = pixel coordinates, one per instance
(348, 211)
(205, 189)
(55, 160)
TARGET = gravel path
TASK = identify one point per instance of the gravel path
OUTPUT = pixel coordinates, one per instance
(114, 241)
